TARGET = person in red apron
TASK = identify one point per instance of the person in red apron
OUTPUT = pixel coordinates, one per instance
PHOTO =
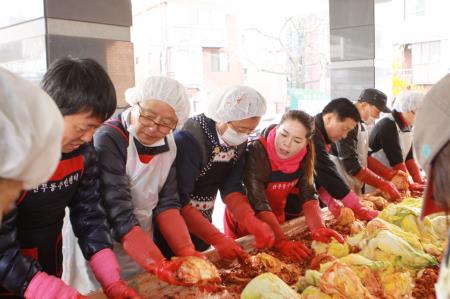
(30, 236)
(278, 164)
(432, 149)
(351, 153)
(210, 158)
(337, 119)
(136, 153)
(391, 139)
(30, 150)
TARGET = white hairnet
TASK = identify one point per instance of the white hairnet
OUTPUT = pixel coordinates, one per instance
(236, 103)
(31, 128)
(407, 101)
(164, 89)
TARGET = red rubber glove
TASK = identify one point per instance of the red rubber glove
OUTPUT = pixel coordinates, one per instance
(226, 247)
(175, 232)
(205, 230)
(417, 187)
(50, 287)
(166, 271)
(414, 171)
(351, 200)
(380, 169)
(316, 225)
(295, 249)
(120, 290)
(402, 167)
(138, 245)
(413, 186)
(241, 210)
(331, 203)
(288, 248)
(365, 175)
(107, 271)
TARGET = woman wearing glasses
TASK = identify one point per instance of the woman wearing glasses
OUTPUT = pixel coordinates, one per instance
(210, 158)
(138, 183)
(391, 140)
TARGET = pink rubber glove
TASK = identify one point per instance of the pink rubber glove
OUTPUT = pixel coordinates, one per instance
(332, 204)
(107, 271)
(352, 201)
(44, 286)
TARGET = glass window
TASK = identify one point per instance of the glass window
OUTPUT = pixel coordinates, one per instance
(426, 53)
(414, 8)
(13, 12)
(219, 62)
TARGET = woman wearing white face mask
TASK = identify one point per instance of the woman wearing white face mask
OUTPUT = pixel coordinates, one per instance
(210, 158)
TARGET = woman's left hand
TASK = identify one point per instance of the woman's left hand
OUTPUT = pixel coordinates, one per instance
(324, 235)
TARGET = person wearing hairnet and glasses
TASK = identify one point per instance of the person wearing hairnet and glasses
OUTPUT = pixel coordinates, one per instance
(30, 151)
(432, 150)
(391, 139)
(210, 158)
(30, 236)
(137, 152)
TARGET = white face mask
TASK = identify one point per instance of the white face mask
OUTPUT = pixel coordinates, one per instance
(233, 138)
(370, 121)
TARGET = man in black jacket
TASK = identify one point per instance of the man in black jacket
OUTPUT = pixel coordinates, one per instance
(30, 236)
(351, 153)
(337, 119)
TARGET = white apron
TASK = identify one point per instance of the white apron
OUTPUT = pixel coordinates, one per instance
(362, 150)
(146, 180)
(405, 138)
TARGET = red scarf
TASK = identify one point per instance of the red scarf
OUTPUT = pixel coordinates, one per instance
(289, 165)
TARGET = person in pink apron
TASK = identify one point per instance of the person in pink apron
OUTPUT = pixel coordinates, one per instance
(391, 139)
(351, 153)
(432, 149)
(279, 164)
(136, 157)
(337, 119)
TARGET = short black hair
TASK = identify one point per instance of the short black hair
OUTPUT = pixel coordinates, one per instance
(80, 85)
(343, 108)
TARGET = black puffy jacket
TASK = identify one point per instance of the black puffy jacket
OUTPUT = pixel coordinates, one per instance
(111, 143)
(256, 177)
(30, 235)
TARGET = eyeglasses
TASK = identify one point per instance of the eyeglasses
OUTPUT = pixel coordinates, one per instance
(242, 130)
(148, 119)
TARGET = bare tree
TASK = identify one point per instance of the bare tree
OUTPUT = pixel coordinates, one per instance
(291, 50)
